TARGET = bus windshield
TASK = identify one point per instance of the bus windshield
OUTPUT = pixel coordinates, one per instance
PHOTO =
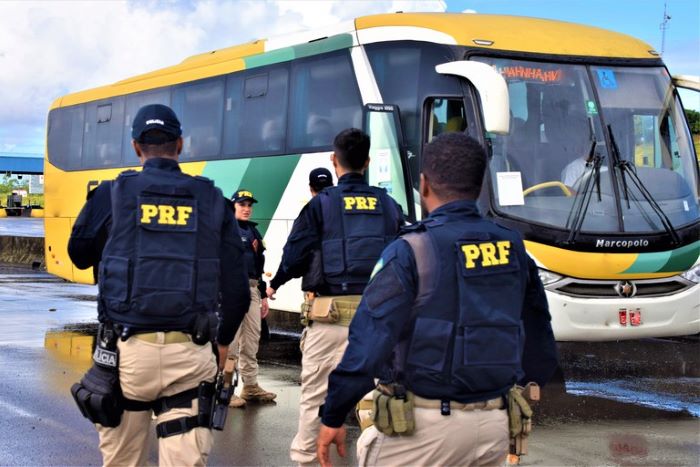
(560, 114)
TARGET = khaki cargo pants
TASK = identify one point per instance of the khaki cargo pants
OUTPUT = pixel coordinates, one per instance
(476, 437)
(322, 347)
(247, 341)
(147, 371)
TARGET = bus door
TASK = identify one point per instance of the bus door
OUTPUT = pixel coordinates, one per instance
(388, 167)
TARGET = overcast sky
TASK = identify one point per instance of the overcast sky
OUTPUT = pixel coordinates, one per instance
(50, 48)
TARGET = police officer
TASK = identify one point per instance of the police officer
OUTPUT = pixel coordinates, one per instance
(319, 178)
(247, 340)
(350, 224)
(442, 325)
(172, 245)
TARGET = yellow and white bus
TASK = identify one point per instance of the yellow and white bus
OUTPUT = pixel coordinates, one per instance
(590, 153)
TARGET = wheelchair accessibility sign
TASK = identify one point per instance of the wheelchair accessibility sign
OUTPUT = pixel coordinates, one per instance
(606, 78)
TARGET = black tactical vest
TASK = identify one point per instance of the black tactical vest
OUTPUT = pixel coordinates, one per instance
(358, 222)
(467, 337)
(160, 266)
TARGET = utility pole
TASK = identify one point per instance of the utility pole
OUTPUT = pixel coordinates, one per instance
(664, 26)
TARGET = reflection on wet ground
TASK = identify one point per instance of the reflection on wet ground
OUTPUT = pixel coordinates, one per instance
(21, 226)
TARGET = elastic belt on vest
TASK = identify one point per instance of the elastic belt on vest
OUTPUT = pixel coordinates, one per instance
(491, 404)
(163, 404)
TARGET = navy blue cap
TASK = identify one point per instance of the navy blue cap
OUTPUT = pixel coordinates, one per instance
(243, 195)
(320, 178)
(155, 117)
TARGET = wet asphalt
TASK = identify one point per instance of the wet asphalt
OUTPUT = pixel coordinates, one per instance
(615, 403)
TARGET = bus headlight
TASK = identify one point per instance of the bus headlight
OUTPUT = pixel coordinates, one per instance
(548, 277)
(692, 274)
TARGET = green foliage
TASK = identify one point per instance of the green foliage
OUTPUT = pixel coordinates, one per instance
(9, 184)
(693, 117)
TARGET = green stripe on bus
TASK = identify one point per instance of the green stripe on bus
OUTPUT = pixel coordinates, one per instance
(683, 258)
(227, 174)
(649, 262)
(267, 178)
(340, 41)
(268, 58)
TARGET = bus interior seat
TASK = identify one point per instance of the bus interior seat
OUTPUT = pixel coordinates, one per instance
(319, 131)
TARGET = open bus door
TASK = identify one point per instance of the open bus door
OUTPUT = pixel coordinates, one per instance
(388, 167)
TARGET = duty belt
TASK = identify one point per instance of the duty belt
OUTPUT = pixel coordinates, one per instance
(172, 337)
(491, 404)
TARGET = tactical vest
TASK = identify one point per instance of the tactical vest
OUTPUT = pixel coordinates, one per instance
(467, 337)
(358, 222)
(160, 266)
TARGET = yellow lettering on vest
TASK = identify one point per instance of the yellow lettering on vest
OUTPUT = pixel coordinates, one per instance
(372, 203)
(361, 202)
(349, 202)
(488, 254)
(471, 252)
(166, 214)
(503, 251)
(183, 213)
(148, 211)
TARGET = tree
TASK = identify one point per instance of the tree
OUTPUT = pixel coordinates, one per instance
(693, 120)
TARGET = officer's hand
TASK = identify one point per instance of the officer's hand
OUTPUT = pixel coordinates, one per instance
(326, 437)
(264, 308)
(270, 293)
(223, 355)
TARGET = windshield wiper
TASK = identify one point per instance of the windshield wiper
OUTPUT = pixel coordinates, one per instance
(626, 168)
(578, 213)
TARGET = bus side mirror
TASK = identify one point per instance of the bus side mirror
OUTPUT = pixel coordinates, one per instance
(492, 89)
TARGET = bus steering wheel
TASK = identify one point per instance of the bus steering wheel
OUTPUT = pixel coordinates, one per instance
(543, 185)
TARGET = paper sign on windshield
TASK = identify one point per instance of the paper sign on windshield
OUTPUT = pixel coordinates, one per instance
(510, 189)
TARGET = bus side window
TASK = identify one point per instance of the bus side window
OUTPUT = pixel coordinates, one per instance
(65, 136)
(255, 111)
(102, 142)
(200, 108)
(325, 100)
(445, 116)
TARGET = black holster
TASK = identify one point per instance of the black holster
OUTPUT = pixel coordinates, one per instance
(98, 394)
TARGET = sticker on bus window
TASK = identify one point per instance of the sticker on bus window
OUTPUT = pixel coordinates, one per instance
(606, 78)
(591, 108)
(510, 189)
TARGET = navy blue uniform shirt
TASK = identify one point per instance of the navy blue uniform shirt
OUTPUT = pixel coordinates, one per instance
(374, 332)
(91, 230)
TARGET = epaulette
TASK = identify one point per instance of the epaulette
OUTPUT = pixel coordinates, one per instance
(129, 173)
(420, 226)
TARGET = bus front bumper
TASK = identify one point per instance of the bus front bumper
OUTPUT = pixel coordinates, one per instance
(606, 319)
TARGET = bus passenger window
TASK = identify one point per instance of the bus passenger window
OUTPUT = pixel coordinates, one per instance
(325, 100)
(446, 116)
(200, 108)
(255, 114)
(102, 141)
